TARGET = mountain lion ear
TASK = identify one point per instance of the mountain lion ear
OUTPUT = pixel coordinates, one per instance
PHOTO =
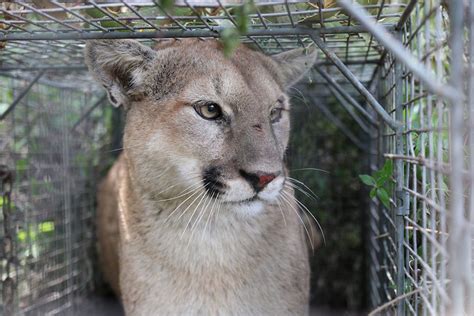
(119, 65)
(294, 64)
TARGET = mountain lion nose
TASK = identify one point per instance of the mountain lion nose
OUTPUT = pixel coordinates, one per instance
(258, 180)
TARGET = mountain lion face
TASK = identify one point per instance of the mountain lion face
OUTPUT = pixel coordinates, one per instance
(199, 123)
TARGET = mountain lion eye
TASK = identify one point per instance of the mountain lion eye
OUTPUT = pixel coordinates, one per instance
(209, 110)
(275, 115)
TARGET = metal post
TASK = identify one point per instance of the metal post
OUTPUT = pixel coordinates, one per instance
(355, 82)
(401, 202)
(350, 110)
(406, 14)
(458, 259)
(346, 96)
(398, 50)
(470, 105)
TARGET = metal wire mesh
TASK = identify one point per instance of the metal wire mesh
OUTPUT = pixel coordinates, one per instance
(397, 55)
(412, 246)
(273, 21)
(51, 149)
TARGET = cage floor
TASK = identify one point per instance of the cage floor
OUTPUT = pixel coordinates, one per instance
(95, 305)
(110, 306)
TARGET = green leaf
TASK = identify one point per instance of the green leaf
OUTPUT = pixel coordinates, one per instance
(21, 164)
(383, 197)
(373, 193)
(21, 235)
(242, 16)
(380, 180)
(46, 227)
(2, 201)
(387, 169)
(230, 39)
(381, 176)
(367, 180)
(108, 23)
(167, 4)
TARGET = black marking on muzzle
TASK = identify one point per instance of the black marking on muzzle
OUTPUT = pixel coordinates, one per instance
(213, 186)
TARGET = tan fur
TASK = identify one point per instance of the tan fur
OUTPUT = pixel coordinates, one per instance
(176, 256)
(108, 234)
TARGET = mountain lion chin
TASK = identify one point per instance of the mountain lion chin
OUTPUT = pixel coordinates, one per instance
(247, 208)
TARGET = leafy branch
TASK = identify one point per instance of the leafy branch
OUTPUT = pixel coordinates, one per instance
(381, 183)
(230, 37)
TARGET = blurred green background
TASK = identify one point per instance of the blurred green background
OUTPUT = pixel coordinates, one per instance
(338, 267)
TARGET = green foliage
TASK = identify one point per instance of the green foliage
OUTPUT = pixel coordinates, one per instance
(12, 204)
(230, 37)
(368, 180)
(315, 144)
(46, 227)
(35, 238)
(381, 183)
(35, 232)
(97, 14)
(21, 166)
(167, 4)
(242, 16)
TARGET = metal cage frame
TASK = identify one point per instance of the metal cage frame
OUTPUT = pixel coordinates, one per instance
(410, 61)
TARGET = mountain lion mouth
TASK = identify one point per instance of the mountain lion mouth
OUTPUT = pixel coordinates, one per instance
(255, 198)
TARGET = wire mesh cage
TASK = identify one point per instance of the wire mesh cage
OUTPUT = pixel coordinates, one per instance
(402, 70)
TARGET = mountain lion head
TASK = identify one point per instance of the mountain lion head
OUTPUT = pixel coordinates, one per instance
(197, 121)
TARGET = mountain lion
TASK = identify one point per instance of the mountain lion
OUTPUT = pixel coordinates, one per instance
(197, 217)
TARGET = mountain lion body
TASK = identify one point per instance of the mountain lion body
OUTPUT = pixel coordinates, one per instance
(195, 218)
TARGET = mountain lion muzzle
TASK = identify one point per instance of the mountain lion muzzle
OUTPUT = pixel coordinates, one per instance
(196, 216)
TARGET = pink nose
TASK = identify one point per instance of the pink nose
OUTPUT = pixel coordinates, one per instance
(265, 179)
(258, 180)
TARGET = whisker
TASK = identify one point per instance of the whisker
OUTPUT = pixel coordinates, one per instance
(194, 193)
(304, 185)
(301, 97)
(304, 213)
(310, 169)
(281, 211)
(219, 206)
(191, 188)
(121, 148)
(214, 196)
(301, 220)
(192, 215)
(174, 185)
(201, 213)
(200, 195)
(310, 213)
(296, 187)
(163, 172)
